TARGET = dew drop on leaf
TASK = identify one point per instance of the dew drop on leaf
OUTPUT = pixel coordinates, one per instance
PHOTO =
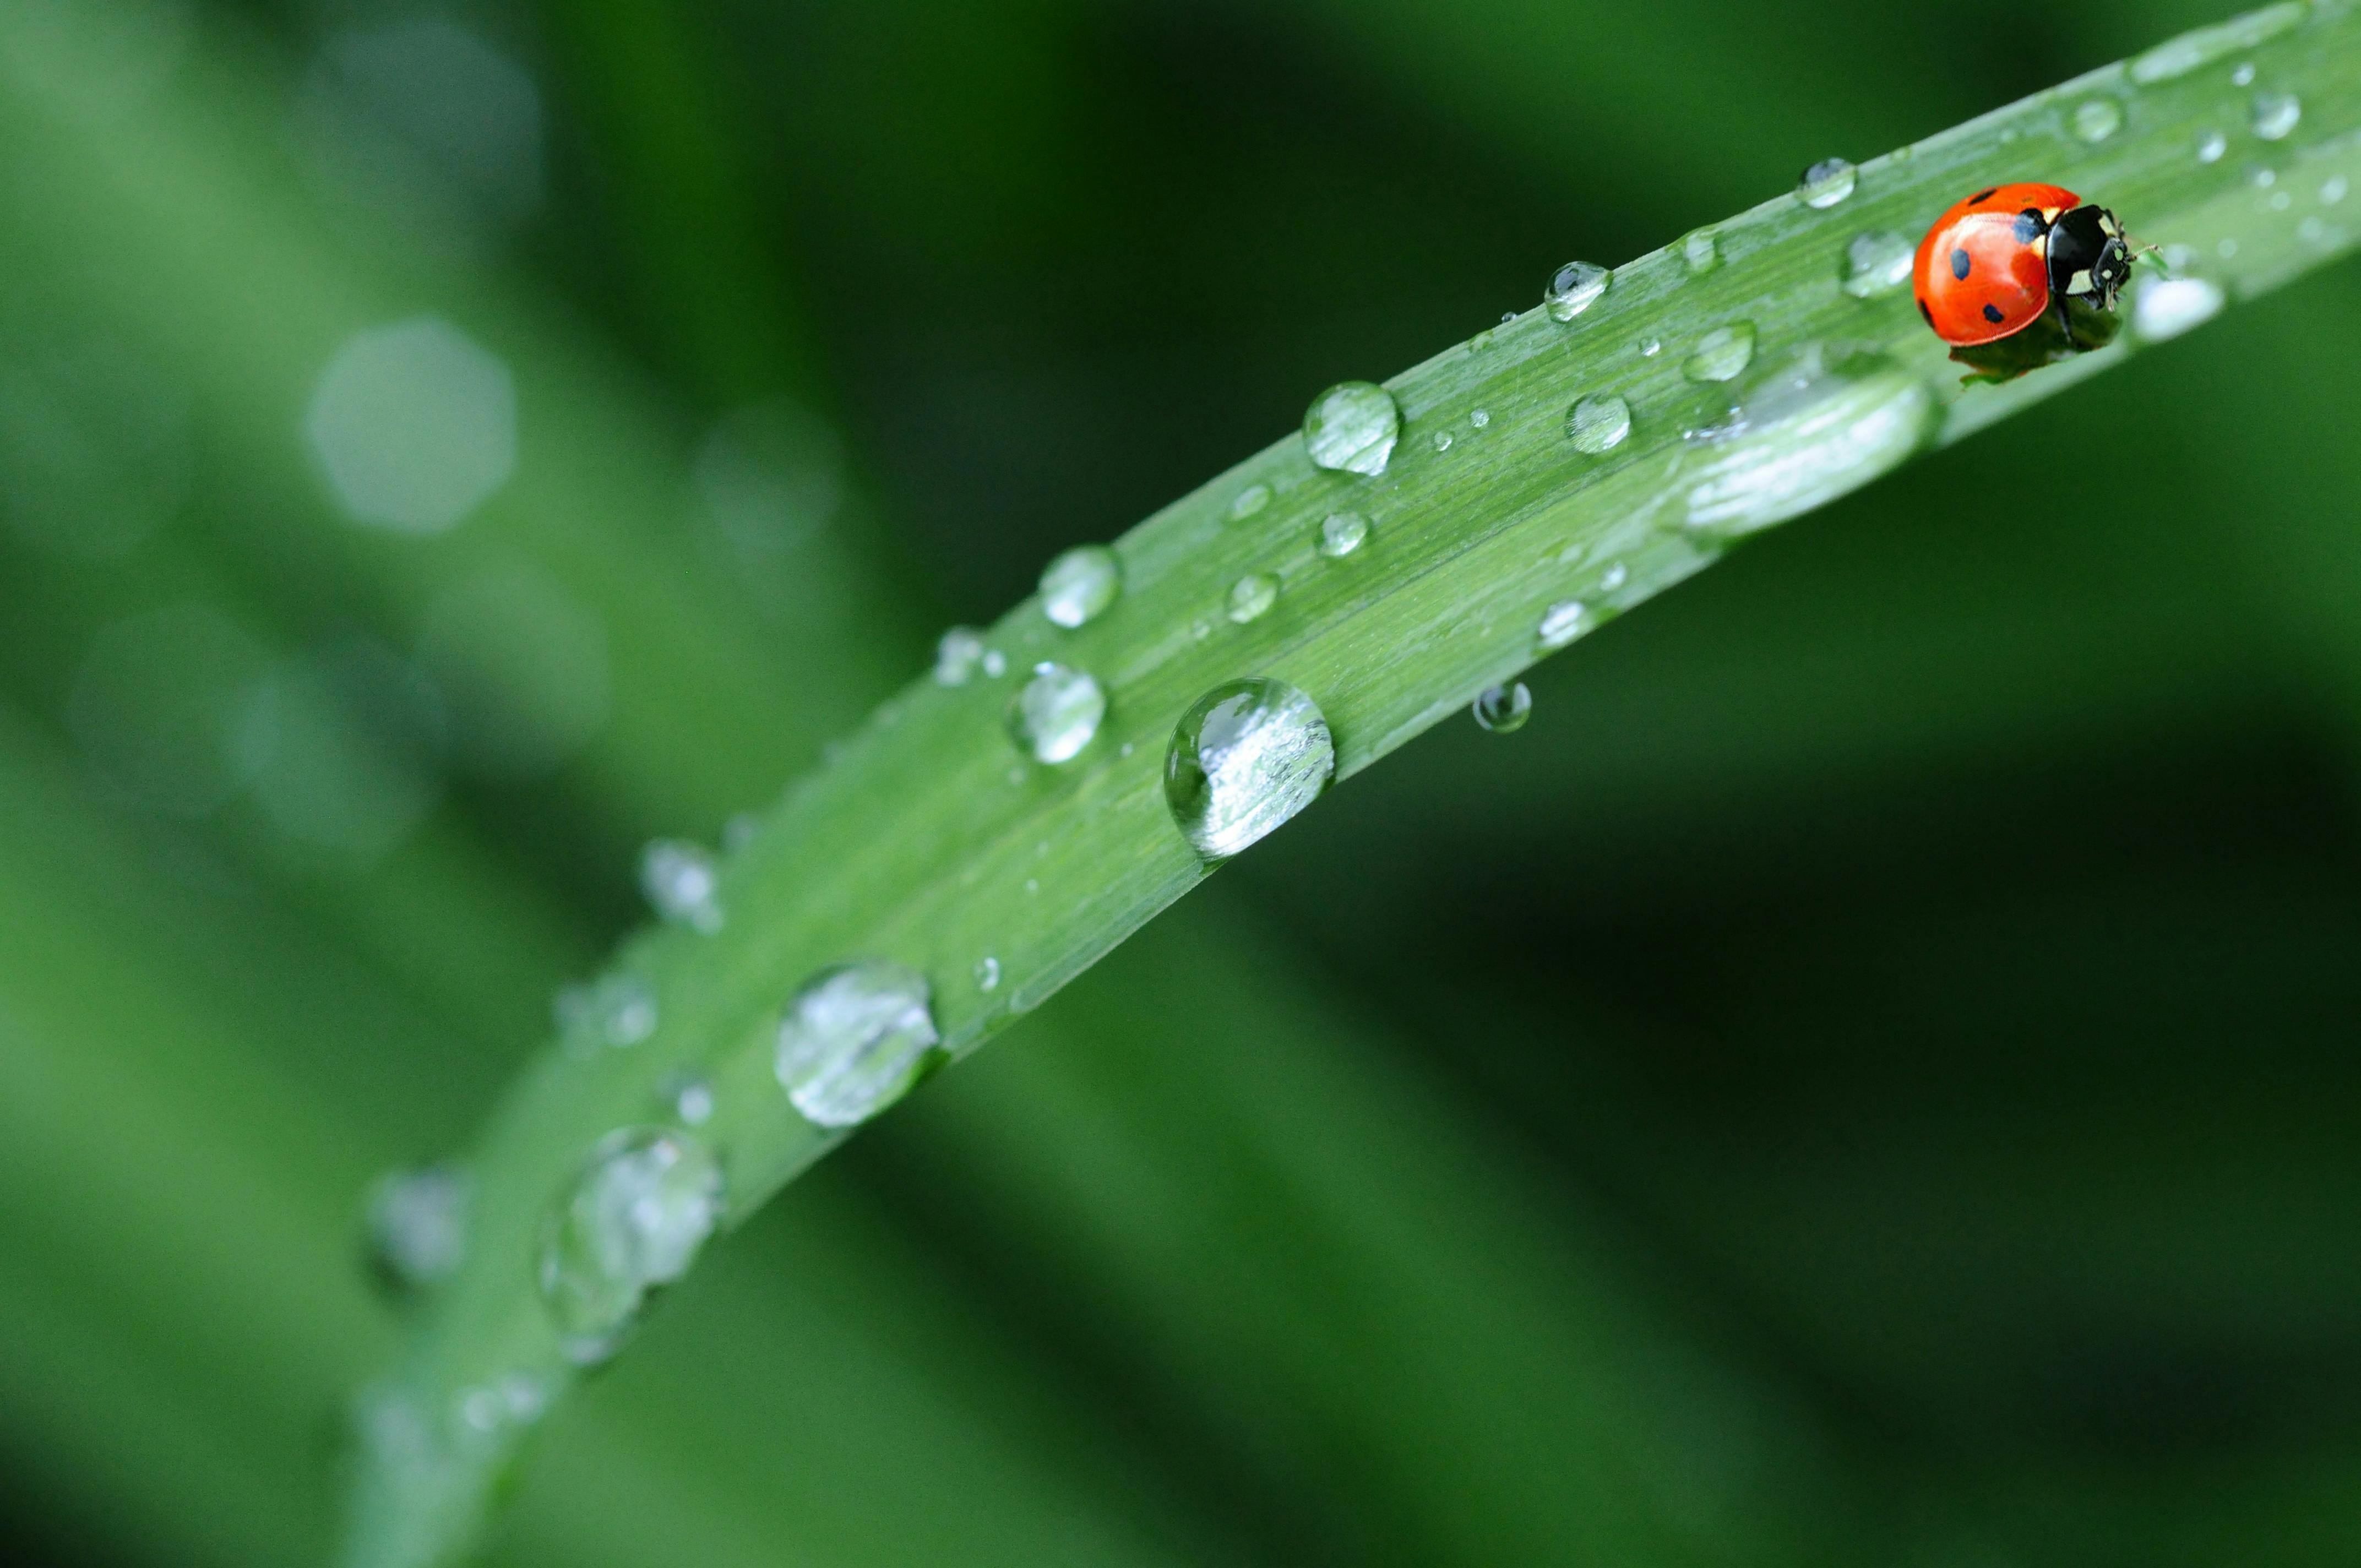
(1246, 756)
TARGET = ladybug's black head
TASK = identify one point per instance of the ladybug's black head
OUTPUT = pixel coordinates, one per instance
(2088, 257)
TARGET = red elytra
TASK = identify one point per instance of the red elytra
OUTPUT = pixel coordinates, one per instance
(1982, 271)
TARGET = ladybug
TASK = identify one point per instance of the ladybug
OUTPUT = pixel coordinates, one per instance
(2012, 255)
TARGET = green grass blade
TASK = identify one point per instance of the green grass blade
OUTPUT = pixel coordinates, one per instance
(929, 843)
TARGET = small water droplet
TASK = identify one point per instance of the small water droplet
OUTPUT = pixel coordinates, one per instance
(1342, 533)
(1508, 316)
(418, 1225)
(987, 973)
(1480, 342)
(2275, 114)
(516, 1401)
(2311, 231)
(2211, 146)
(1615, 577)
(1351, 428)
(690, 1097)
(615, 1010)
(2096, 119)
(1824, 425)
(1827, 182)
(2166, 307)
(2333, 190)
(1079, 584)
(1481, 419)
(1651, 346)
(1057, 712)
(682, 884)
(1246, 756)
(1598, 423)
(1574, 289)
(2262, 178)
(1562, 623)
(1700, 252)
(1503, 709)
(2243, 75)
(1443, 441)
(855, 1039)
(1876, 263)
(1252, 595)
(958, 656)
(995, 663)
(633, 1220)
(2280, 202)
(1032, 884)
(2226, 249)
(1722, 354)
(1249, 501)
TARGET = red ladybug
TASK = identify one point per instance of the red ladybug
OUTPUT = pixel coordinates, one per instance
(1992, 264)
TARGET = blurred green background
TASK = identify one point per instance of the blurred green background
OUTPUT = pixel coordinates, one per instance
(1866, 1076)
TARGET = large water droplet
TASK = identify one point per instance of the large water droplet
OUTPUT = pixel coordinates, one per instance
(1876, 263)
(1352, 427)
(1503, 709)
(418, 1225)
(2275, 114)
(1824, 425)
(1827, 182)
(1561, 624)
(1246, 756)
(2166, 307)
(682, 882)
(633, 1221)
(958, 656)
(1079, 583)
(2096, 119)
(1249, 501)
(855, 1039)
(1599, 422)
(1055, 714)
(1342, 533)
(1700, 252)
(1252, 595)
(1574, 289)
(1722, 354)
(615, 1010)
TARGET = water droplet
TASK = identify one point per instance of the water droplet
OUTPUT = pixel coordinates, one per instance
(1503, 709)
(855, 1039)
(987, 973)
(1443, 441)
(2211, 146)
(1574, 289)
(2262, 178)
(616, 1009)
(1351, 428)
(2178, 57)
(2280, 202)
(516, 1401)
(690, 1097)
(633, 1221)
(1876, 263)
(1827, 182)
(1651, 346)
(958, 656)
(1249, 501)
(2311, 231)
(1480, 342)
(1599, 422)
(1246, 756)
(1700, 252)
(1079, 583)
(1823, 426)
(1342, 533)
(2243, 74)
(2226, 249)
(2166, 307)
(1615, 577)
(1562, 623)
(995, 663)
(2096, 119)
(1508, 316)
(1722, 354)
(418, 1225)
(2275, 114)
(414, 425)
(1481, 419)
(1252, 595)
(2333, 190)
(683, 883)
(1057, 712)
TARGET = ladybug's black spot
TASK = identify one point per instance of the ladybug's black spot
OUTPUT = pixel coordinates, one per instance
(1960, 264)
(1981, 197)
(1992, 314)
(2028, 226)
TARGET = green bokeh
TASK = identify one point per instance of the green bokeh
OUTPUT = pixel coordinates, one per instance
(1864, 1076)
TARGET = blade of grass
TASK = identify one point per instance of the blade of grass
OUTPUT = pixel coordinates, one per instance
(919, 844)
